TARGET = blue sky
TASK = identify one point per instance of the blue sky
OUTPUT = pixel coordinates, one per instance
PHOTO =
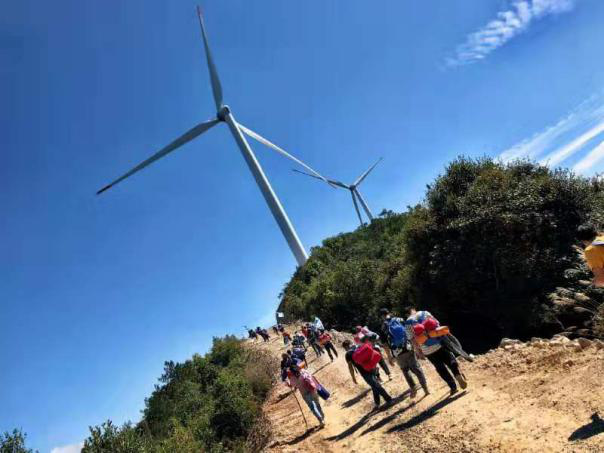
(96, 292)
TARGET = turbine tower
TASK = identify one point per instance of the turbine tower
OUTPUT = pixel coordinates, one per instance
(353, 188)
(225, 115)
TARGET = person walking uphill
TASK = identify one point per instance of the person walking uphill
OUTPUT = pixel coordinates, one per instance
(365, 362)
(594, 252)
(325, 342)
(308, 387)
(402, 346)
(442, 358)
(313, 339)
(263, 333)
(363, 334)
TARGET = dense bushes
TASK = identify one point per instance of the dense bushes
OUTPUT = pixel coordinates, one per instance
(208, 403)
(489, 240)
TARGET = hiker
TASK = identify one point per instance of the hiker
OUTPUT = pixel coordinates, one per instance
(318, 324)
(308, 387)
(364, 360)
(442, 358)
(325, 342)
(286, 362)
(593, 244)
(263, 333)
(401, 347)
(298, 340)
(299, 354)
(275, 329)
(304, 330)
(362, 333)
(313, 339)
(449, 341)
(286, 338)
(252, 334)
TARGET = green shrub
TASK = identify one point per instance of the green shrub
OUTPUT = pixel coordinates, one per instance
(489, 240)
(209, 403)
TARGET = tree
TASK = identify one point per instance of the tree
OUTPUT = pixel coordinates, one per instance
(14, 442)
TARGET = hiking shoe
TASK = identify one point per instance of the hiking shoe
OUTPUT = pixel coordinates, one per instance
(426, 391)
(461, 380)
(413, 392)
(321, 424)
(453, 391)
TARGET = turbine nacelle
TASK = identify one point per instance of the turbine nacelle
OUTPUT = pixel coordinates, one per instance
(354, 191)
(223, 112)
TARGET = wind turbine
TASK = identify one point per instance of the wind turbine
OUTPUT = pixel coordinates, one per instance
(225, 115)
(353, 188)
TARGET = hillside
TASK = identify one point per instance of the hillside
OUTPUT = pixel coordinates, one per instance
(490, 249)
(539, 396)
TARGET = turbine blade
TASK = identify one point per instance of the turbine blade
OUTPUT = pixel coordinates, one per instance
(216, 87)
(307, 174)
(364, 175)
(330, 181)
(187, 137)
(264, 141)
(363, 204)
(356, 207)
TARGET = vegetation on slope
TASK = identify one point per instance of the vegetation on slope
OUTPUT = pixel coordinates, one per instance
(209, 403)
(488, 242)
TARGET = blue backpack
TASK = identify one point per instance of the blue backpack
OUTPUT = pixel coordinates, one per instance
(398, 334)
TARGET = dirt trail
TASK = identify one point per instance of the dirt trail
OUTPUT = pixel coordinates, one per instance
(541, 396)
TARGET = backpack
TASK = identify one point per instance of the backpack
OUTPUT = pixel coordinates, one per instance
(309, 381)
(298, 353)
(398, 335)
(366, 357)
(324, 338)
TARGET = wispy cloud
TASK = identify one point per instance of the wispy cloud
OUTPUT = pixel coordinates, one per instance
(571, 135)
(595, 156)
(73, 448)
(563, 153)
(511, 22)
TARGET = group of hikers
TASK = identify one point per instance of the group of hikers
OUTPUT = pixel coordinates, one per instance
(258, 332)
(404, 342)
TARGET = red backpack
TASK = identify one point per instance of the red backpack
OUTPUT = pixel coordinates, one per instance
(366, 356)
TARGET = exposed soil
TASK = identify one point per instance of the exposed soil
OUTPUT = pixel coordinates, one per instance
(540, 396)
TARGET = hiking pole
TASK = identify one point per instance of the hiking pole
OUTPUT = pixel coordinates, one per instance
(300, 407)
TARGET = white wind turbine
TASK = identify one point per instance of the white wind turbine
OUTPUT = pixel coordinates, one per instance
(224, 114)
(353, 188)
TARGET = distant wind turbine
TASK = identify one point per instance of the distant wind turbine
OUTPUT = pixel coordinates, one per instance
(224, 114)
(353, 188)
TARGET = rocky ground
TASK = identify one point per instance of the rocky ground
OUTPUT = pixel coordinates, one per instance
(539, 396)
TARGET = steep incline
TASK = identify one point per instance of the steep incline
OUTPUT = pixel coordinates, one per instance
(540, 396)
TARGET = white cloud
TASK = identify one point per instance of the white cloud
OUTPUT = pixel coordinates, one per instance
(590, 160)
(508, 24)
(563, 153)
(569, 136)
(73, 448)
(539, 143)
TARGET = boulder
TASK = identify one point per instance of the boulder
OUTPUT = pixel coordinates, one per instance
(584, 343)
(508, 342)
(581, 297)
(560, 339)
(564, 292)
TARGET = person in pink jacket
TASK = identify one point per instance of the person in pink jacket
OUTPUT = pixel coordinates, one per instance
(307, 385)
